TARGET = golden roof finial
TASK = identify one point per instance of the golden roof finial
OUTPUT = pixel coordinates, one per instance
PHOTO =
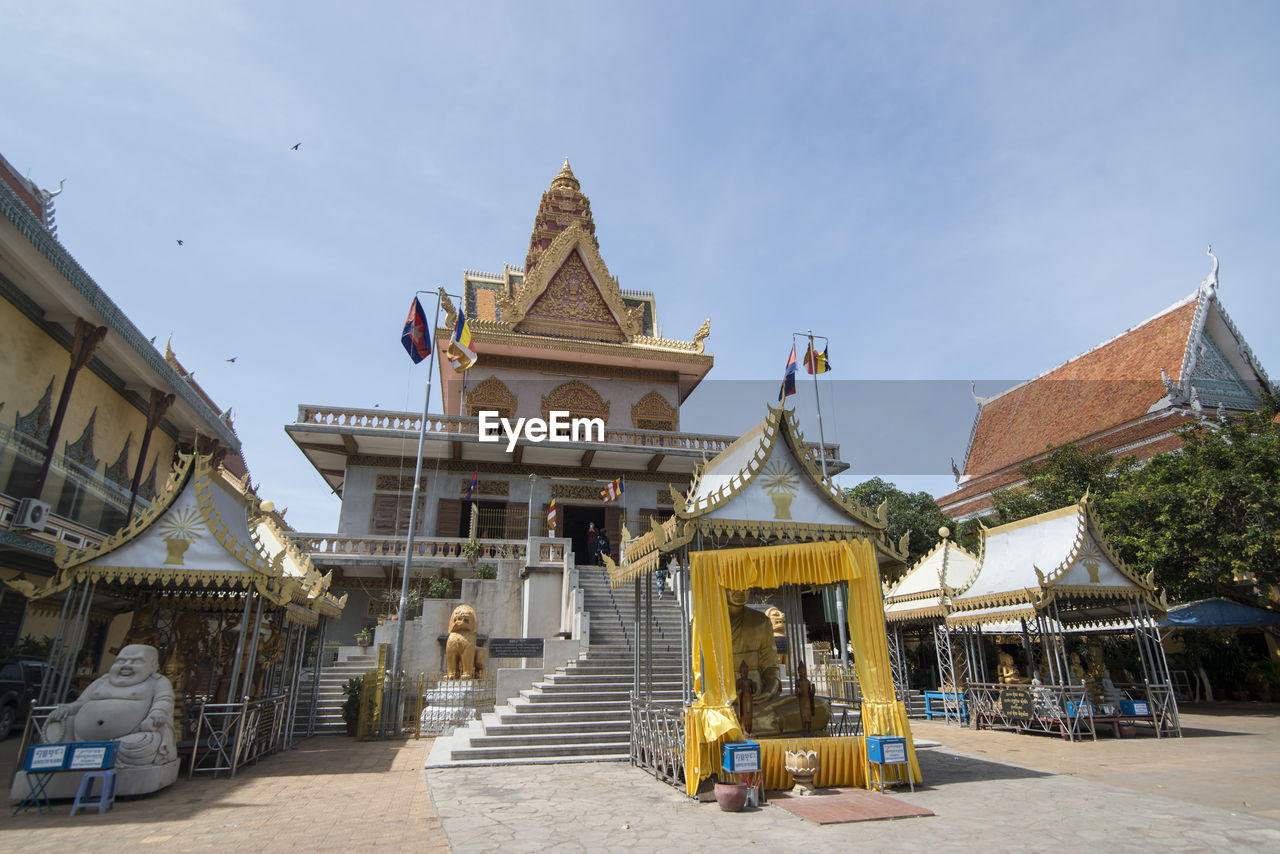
(565, 178)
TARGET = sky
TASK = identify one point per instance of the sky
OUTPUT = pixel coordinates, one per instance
(948, 192)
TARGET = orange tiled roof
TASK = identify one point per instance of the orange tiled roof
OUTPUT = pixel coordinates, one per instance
(1105, 388)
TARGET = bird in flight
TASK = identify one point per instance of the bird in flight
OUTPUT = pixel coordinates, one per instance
(295, 146)
(233, 358)
(179, 242)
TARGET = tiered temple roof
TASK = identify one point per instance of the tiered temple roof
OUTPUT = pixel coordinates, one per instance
(1127, 395)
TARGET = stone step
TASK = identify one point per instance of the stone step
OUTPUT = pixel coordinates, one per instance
(559, 753)
(536, 717)
(553, 689)
(551, 727)
(551, 739)
(566, 707)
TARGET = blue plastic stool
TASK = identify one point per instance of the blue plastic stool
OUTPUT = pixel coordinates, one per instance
(105, 800)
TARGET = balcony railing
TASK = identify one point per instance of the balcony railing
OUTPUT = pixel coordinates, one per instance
(434, 548)
(459, 425)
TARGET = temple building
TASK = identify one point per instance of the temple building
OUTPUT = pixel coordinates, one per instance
(1128, 395)
(92, 416)
(558, 334)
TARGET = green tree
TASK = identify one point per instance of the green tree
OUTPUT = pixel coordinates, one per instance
(1060, 479)
(916, 512)
(1207, 517)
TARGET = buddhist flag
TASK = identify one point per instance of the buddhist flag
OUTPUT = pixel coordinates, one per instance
(612, 490)
(460, 353)
(789, 378)
(415, 338)
(815, 362)
(473, 485)
(551, 518)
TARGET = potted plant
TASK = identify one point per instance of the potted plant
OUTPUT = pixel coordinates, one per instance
(351, 705)
(486, 571)
(364, 637)
(471, 551)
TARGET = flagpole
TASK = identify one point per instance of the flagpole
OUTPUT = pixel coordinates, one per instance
(813, 367)
(398, 650)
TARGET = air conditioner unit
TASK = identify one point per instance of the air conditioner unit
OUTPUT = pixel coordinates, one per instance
(31, 514)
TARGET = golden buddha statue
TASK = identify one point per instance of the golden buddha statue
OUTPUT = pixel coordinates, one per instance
(1007, 672)
(772, 713)
(779, 622)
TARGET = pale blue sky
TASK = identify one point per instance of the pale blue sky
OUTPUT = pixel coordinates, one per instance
(949, 191)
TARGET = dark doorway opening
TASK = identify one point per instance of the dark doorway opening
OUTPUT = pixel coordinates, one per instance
(576, 521)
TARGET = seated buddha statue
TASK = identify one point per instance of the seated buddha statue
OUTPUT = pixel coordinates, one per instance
(772, 713)
(1007, 672)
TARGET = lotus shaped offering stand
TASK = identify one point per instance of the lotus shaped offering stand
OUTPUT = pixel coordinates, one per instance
(803, 766)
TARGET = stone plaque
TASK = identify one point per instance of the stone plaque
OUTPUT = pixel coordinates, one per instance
(515, 647)
(1017, 703)
(780, 644)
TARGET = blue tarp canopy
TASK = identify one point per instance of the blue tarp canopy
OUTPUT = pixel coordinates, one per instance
(1218, 614)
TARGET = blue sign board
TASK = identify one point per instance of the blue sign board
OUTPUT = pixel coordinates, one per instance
(741, 757)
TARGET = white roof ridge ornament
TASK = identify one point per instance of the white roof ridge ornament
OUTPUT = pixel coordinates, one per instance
(1210, 283)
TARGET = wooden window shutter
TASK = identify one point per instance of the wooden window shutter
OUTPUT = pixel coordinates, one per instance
(449, 518)
(383, 520)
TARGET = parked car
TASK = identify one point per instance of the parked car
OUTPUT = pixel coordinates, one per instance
(20, 681)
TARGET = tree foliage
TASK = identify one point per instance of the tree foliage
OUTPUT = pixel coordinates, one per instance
(916, 512)
(1060, 479)
(1207, 518)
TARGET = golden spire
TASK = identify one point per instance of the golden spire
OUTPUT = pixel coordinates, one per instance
(564, 204)
(565, 179)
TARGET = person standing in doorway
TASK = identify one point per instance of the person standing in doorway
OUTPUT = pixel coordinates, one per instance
(602, 547)
(593, 544)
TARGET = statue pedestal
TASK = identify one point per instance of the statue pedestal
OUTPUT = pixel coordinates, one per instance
(130, 780)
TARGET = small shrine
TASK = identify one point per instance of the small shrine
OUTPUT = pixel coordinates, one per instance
(217, 603)
(1017, 630)
(760, 521)
(915, 610)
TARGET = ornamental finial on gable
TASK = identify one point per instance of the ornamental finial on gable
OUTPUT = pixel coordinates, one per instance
(1210, 283)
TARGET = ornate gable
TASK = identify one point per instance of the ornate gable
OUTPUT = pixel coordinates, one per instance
(571, 294)
(571, 306)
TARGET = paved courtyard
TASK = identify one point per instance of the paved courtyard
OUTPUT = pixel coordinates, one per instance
(1218, 788)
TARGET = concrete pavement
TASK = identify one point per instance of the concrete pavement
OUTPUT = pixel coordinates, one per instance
(994, 792)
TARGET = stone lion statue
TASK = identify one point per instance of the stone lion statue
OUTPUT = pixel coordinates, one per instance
(462, 660)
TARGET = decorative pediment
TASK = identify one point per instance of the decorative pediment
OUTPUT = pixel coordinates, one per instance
(578, 399)
(118, 472)
(570, 293)
(492, 395)
(36, 422)
(653, 412)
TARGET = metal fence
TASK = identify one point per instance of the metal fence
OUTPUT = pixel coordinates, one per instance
(657, 739)
(1058, 709)
(229, 735)
(421, 704)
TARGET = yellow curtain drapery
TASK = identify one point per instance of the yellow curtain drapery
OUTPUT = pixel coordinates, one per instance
(710, 721)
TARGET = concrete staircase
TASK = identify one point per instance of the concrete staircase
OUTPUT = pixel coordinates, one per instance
(582, 712)
(333, 677)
